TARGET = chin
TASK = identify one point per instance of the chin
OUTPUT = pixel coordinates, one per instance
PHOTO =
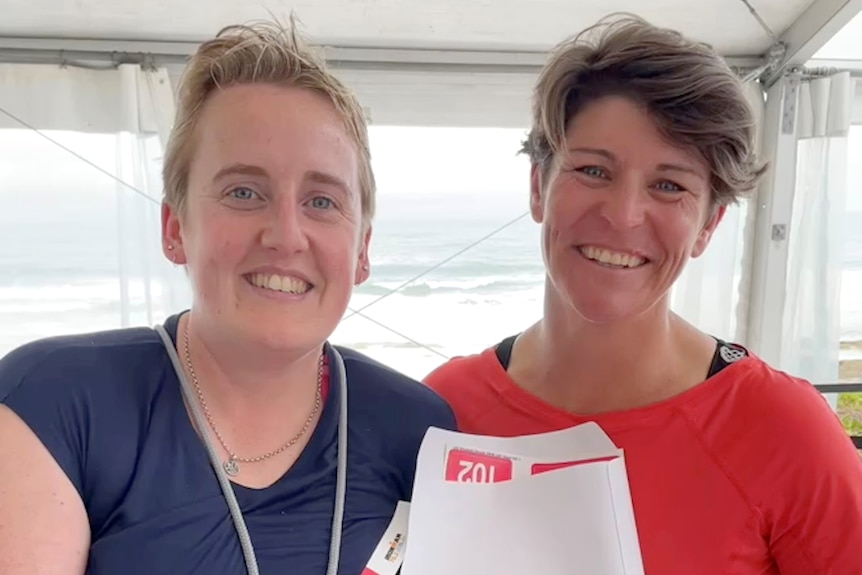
(605, 310)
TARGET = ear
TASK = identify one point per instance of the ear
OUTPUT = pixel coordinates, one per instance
(363, 267)
(705, 235)
(172, 238)
(537, 207)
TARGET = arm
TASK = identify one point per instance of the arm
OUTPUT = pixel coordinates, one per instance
(44, 529)
(819, 526)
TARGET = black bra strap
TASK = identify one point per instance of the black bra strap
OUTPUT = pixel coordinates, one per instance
(504, 351)
(725, 354)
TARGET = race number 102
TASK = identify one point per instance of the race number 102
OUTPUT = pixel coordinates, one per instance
(464, 466)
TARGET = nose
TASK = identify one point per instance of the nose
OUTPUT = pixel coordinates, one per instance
(286, 227)
(625, 204)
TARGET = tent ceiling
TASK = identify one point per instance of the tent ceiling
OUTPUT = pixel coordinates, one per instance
(532, 25)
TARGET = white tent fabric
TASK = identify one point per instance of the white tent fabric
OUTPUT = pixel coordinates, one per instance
(810, 335)
(147, 110)
(88, 145)
(711, 293)
(71, 98)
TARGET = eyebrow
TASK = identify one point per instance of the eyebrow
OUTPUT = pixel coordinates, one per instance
(595, 151)
(329, 180)
(680, 168)
(661, 167)
(240, 169)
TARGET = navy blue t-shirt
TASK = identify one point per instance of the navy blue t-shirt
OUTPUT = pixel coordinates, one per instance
(108, 406)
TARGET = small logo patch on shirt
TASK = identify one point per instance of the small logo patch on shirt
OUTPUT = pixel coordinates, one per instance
(389, 553)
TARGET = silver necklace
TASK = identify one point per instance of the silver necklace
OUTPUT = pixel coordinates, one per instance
(231, 465)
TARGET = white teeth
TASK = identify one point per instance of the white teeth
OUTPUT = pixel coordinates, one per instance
(611, 258)
(285, 284)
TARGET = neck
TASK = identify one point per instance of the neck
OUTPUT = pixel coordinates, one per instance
(592, 368)
(248, 380)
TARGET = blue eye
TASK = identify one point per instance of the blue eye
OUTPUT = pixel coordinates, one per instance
(321, 203)
(593, 171)
(667, 186)
(243, 193)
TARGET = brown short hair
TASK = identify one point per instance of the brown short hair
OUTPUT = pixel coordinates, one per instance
(696, 99)
(265, 52)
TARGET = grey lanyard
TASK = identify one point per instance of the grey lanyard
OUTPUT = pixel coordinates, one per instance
(338, 375)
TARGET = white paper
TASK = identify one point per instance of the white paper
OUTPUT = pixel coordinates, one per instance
(571, 520)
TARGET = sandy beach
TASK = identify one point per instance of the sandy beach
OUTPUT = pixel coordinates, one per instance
(850, 404)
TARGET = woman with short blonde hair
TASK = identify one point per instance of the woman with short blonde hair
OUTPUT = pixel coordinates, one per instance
(228, 439)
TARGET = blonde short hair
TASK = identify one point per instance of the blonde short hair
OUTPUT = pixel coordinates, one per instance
(697, 101)
(266, 53)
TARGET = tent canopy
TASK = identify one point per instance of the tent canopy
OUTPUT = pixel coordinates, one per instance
(417, 62)
(741, 29)
(458, 24)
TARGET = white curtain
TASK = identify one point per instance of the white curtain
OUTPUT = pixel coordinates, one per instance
(148, 290)
(711, 293)
(810, 339)
(80, 162)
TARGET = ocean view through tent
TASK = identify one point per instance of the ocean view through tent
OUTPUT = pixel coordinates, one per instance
(68, 233)
(58, 274)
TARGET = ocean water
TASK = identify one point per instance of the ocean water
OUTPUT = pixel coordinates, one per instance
(487, 293)
(59, 264)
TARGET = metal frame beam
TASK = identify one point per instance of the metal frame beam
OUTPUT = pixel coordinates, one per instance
(852, 66)
(773, 207)
(810, 32)
(58, 51)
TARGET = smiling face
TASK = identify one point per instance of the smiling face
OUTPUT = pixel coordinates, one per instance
(622, 211)
(271, 231)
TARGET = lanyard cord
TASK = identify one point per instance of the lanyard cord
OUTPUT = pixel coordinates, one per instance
(338, 373)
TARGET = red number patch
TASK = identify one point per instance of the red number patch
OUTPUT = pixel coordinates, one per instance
(470, 467)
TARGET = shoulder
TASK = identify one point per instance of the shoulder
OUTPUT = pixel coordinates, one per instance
(809, 425)
(777, 433)
(470, 382)
(782, 412)
(376, 387)
(79, 393)
(806, 474)
(393, 412)
(72, 362)
(789, 406)
(451, 378)
(477, 387)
